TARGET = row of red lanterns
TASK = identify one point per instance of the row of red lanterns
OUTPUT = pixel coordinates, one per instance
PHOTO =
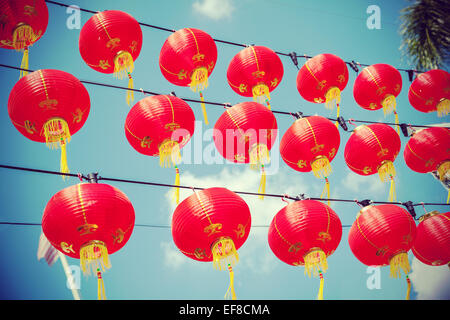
(51, 105)
(111, 41)
(90, 221)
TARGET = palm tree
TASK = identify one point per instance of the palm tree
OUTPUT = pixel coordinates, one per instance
(425, 30)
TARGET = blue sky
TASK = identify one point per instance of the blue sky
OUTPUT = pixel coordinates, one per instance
(150, 266)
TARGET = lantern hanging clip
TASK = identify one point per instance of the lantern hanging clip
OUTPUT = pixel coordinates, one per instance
(364, 203)
(342, 123)
(410, 207)
(353, 65)
(293, 56)
(298, 115)
(404, 128)
(93, 177)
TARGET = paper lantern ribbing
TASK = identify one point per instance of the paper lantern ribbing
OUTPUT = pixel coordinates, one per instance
(305, 233)
(373, 148)
(310, 144)
(322, 79)
(23, 22)
(432, 243)
(376, 87)
(110, 42)
(429, 150)
(245, 133)
(382, 235)
(255, 72)
(188, 58)
(430, 92)
(89, 221)
(160, 126)
(211, 225)
(49, 106)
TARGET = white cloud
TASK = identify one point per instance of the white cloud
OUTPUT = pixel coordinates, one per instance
(368, 184)
(172, 257)
(430, 282)
(214, 9)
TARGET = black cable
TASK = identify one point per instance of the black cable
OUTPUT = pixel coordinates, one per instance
(208, 102)
(216, 40)
(282, 196)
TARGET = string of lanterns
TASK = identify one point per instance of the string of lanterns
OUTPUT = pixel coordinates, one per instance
(51, 105)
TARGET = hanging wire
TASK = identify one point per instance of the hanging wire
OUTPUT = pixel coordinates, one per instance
(292, 55)
(157, 184)
(221, 104)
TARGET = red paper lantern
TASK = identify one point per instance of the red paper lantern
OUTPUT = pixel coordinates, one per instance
(305, 233)
(432, 243)
(188, 58)
(428, 150)
(382, 235)
(310, 144)
(49, 106)
(110, 42)
(430, 92)
(255, 72)
(322, 79)
(211, 225)
(245, 133)
(160, 126)
(376, 87)
(23, 22)
(89, 221)
(373, 148)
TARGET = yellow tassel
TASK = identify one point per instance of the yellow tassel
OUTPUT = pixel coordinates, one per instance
(326, 190)
(93, 256)
(320, 294)
(262, 183)
(259, 155)
(230, 292)
(130, 93)
(224, 253)
(261, 93)
(392, 193)
(443, 108)
(389, 103)
(321, 167)
(64, 168)
(169, 153)
(448, 196)
(268, 105)
(23, 36)
(177, 183)
(315, 260)
(338, 108)
(123, 64)
(24, 63)
(100, 286)
(199, 79)
(397, 263)
(397, 127)
(205, 115)
(408, 291)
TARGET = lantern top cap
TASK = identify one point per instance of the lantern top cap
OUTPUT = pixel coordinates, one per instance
(428, 215)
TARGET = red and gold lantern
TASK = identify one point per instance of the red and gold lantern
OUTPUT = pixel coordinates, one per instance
(245, 133)
(432, 243)
(255, 72)
(211, 225)
(310, 144)
(428, 150)
(49, 106)
(188, 58)
(376, 87)
(160, 126)
(322, 79)
(110, 42)
(373, 148)
(23, 22)
(430, 92)
(89, 221)
(382, 235)
(305, 233)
